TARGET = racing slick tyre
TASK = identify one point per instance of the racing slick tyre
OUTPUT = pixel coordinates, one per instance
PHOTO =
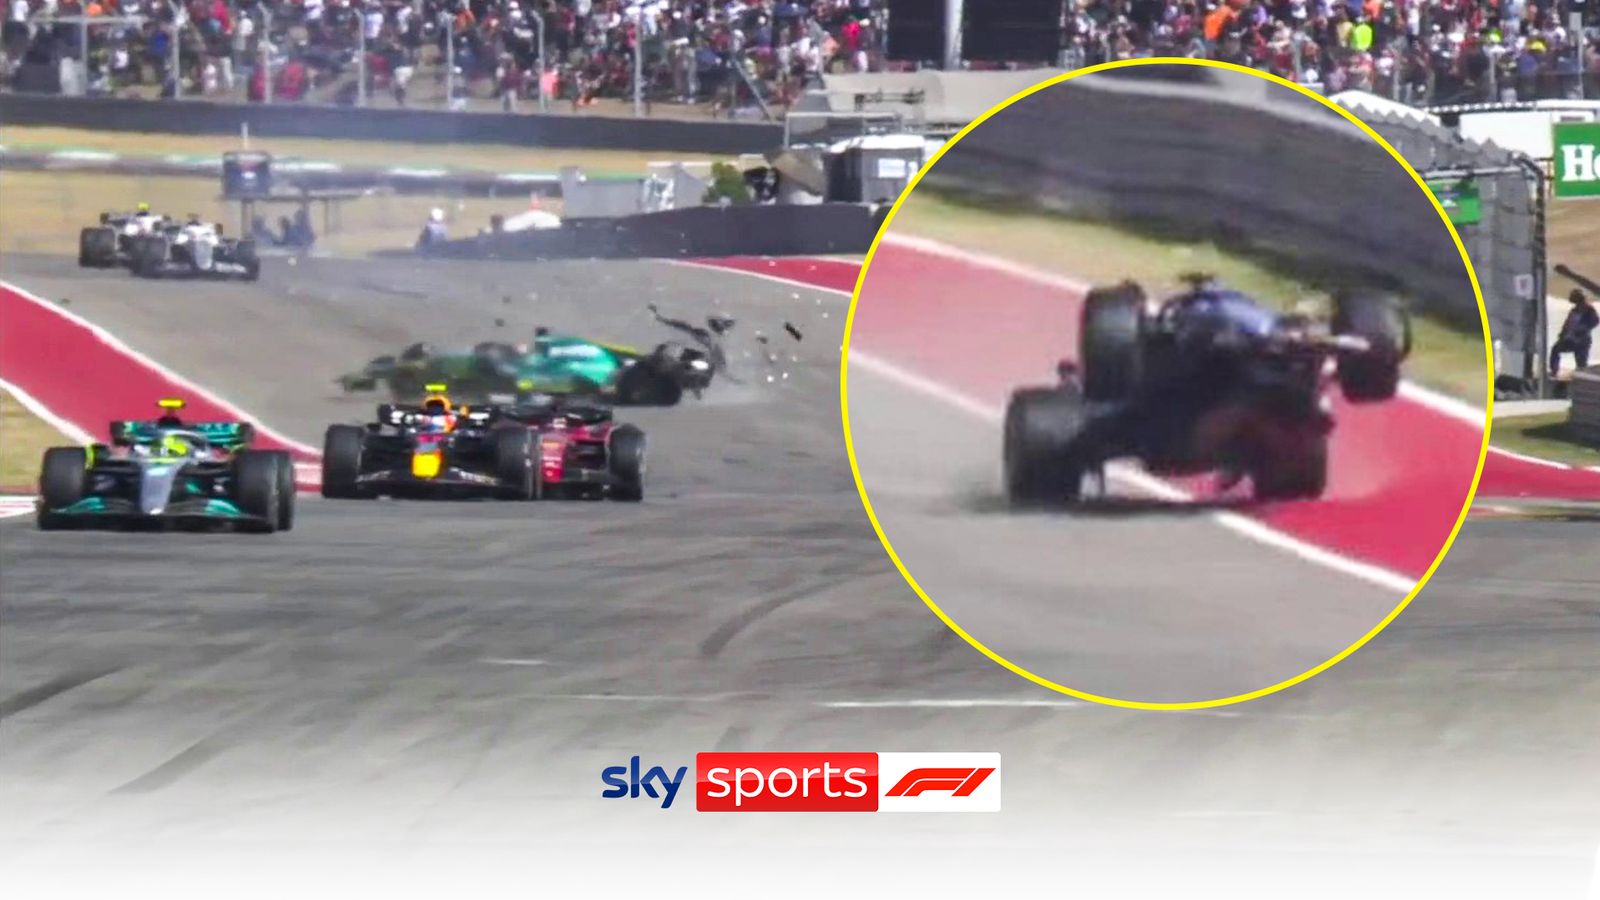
(1374, 375)
(625, 459)
(61, 483)
(1042, 465)
(97, 248)
(255, 487)
(514, 463)
(646, 383)
(149, 254)
(1111, 341)
(244, 253)
(286, 489)
(1298, 473)
(341, 461)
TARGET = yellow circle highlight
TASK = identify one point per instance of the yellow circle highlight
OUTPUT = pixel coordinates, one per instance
(855, 471)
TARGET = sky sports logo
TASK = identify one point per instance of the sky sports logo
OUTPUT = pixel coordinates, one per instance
(818, 782)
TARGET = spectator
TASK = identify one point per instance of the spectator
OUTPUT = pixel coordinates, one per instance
(1577, 332)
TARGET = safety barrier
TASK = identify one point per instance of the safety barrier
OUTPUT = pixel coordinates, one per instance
(1584, 418)
(787, 230)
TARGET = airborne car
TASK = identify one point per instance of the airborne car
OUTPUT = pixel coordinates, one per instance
(168, 473)
(1207, 380)
(495, 372)
(522, 452)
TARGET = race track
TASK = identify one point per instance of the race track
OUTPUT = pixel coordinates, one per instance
(427, 676)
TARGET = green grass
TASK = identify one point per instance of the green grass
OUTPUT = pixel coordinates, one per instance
(1446, 357)
(23, 439)
(1546, 436)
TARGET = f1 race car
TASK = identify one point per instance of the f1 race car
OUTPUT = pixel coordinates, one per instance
(193, 249)
(167, 472)
(110, 243)
(494, 372)
(1207, 380)
(549, 449)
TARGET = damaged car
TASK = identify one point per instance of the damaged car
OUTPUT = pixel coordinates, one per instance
(558, 364)
(1208, 380)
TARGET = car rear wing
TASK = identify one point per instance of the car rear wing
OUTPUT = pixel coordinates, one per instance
(223, 435)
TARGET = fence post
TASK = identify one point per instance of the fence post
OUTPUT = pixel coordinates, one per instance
(638, 62)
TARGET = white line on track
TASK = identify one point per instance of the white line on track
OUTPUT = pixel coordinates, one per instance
(504, 661)
(13, 505)
(119, 346)
(779, 279)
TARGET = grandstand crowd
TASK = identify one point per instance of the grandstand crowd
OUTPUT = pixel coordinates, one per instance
(693, 50)
(1419, 51)
(726, 52)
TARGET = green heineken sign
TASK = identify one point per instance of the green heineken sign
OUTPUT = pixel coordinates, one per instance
(1577, 170)
(1459, 197)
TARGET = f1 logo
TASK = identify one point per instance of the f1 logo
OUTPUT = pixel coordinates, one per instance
(939, 782)
(957, 782)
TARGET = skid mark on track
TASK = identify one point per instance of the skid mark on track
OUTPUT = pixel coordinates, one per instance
(171, 771)
(724, 634)
(34, 696)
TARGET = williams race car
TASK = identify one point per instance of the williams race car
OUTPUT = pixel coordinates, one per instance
(194, 249)
(494, 372)
(168, 473)
(547, 449)
(1207, 380)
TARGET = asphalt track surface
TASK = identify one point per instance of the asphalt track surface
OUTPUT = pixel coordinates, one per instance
(421, 678)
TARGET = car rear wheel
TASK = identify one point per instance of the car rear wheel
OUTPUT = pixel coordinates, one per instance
(1043, 465)
(97, 247)
(341, 461)
(1111, 341)
(625, 459)
(255, 487)
(244, 253)
(514, 464)
(62, 482)
(1372, 375)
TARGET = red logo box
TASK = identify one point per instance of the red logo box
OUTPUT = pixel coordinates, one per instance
(786, 782)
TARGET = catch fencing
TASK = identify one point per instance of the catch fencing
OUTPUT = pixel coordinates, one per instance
(1237, 159)
(1500, 220)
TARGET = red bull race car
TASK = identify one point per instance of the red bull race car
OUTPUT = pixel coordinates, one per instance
(546, 448)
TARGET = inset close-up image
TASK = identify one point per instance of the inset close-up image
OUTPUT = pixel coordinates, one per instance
(1158, 408)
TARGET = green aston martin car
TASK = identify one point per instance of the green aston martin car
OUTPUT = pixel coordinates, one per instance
(554, 364)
